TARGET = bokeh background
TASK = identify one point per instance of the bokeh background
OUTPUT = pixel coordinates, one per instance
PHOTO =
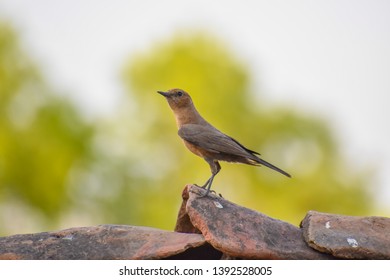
(85, 139)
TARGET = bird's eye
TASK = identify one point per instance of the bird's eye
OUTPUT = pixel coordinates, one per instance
(180, 93)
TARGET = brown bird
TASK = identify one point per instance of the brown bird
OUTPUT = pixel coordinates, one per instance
(204, 140)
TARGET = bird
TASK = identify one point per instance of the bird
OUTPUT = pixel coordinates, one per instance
(207, 142)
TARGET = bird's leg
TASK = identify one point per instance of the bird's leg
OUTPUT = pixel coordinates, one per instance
(208, 186)
(205, 184)
(215, 168)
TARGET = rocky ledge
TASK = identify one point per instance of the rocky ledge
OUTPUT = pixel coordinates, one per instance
(212, 228)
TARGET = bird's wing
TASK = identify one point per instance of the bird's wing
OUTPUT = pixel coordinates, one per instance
(211, 139)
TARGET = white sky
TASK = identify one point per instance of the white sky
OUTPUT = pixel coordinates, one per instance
(330, 57)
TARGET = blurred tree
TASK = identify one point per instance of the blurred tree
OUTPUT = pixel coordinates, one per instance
(42, 136)
(220, 86)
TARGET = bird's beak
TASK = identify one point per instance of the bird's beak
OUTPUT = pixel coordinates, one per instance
(163, 93)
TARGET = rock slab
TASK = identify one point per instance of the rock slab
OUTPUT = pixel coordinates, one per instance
(99, 243)
(241, 232)
(348, 237)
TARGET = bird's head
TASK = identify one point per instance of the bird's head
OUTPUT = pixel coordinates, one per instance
(177, 98)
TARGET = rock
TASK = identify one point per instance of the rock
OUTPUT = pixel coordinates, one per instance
(212, 228)
(348, 237)
(104, 242)
(183, 222)
(239, 232)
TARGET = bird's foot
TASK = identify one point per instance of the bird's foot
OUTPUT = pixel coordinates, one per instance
(196, 185)
(204, 185)
(205, 188)
(207, 192)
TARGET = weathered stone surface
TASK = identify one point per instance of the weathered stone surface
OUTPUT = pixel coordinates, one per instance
(228, 231)
(183, 222)
(243, 233)
(103, 242)
(348, 237)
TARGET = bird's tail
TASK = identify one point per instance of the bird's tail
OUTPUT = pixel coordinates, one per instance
(269, 165)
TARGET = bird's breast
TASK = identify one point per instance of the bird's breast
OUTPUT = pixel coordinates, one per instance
(199, 151)
(193, 148)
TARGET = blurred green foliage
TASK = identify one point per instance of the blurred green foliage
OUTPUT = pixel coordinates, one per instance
(132, 167)
(42, 136)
